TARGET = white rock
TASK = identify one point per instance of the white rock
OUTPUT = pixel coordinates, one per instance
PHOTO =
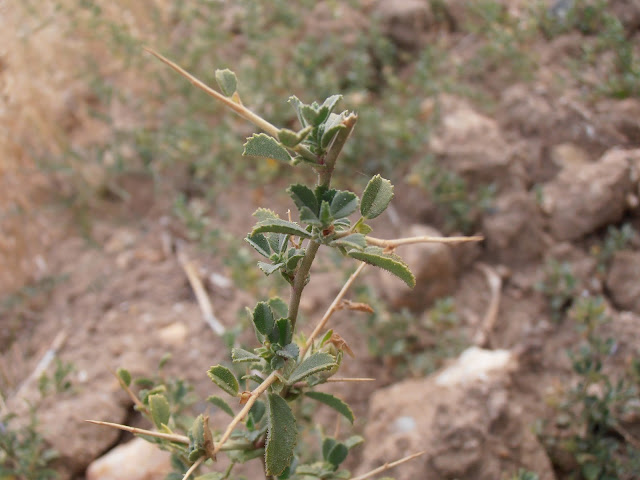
(134, 460)
(474, 364)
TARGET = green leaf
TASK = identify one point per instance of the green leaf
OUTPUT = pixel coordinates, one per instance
(331, 128)
(290, 351)
(277, 225)
(263, 318)
(353, 441)
(310, 218)
(196, 439)
(258, 410)
(338, 454)
(325, 214)
(344, 204)
(376, 197)
(355, 240)
(303, 196)
(221, 404)
(227, 82)
(392, 263)
(290, 138)
(279, 307)
(331, 102)
(268, 268)
(297, 105)
(239, 355)
(314, 116)
(334, 402)
(294, 256)
(211, 476)
(282, 333)
(317, 362)
(226, 380)
(259, 243)
(278, 242)
(282, 435)
(264, 146)
(160, 410)
(263, 214)
(591, 471)
(125, 376)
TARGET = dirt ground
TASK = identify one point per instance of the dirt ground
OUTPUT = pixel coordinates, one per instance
(101, 278)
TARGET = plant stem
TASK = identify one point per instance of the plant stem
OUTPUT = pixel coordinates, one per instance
(324, 180)
(300, 280)
(324, 174)
(332, 308)
(240, 109)
(424, 239)
(387, 466)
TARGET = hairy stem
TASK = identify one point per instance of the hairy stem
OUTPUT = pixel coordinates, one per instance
(299, 281)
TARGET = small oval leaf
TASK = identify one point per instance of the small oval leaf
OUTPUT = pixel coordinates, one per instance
(264, 146)
(277, 225)
(317, 362)
(227, 82)
(344, 204)
(160, 410)
(392, 263)
(259, 243)
(263, 318)
(239, 355)
(376, 197)
(225, 379)
(282, 435)
(220, 403)
(125, 376)
(334, 402)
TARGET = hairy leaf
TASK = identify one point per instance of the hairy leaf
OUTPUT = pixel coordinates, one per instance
(279, 307)
(390, 262)
(290, 351)
(355, 240)
(263, 214)
(225, 379)
(317, 362)
(303, 196)
(264, 146)
(160, 410)
(268, 268)
(239, 355)
(227, 82)
(220, 403)
(338, 454)
(277, 225)
(376, 197)
(334, 402)
(331, 128)
(344, 204)
(282, 332)
(290, 138)
(259, 243)
(125, 376)
(282, 435)
(263, 318)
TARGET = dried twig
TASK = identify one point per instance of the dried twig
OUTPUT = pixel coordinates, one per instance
(140, 431)
(201, 295)
(387, 466)
(495, 285)
(423, 239)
